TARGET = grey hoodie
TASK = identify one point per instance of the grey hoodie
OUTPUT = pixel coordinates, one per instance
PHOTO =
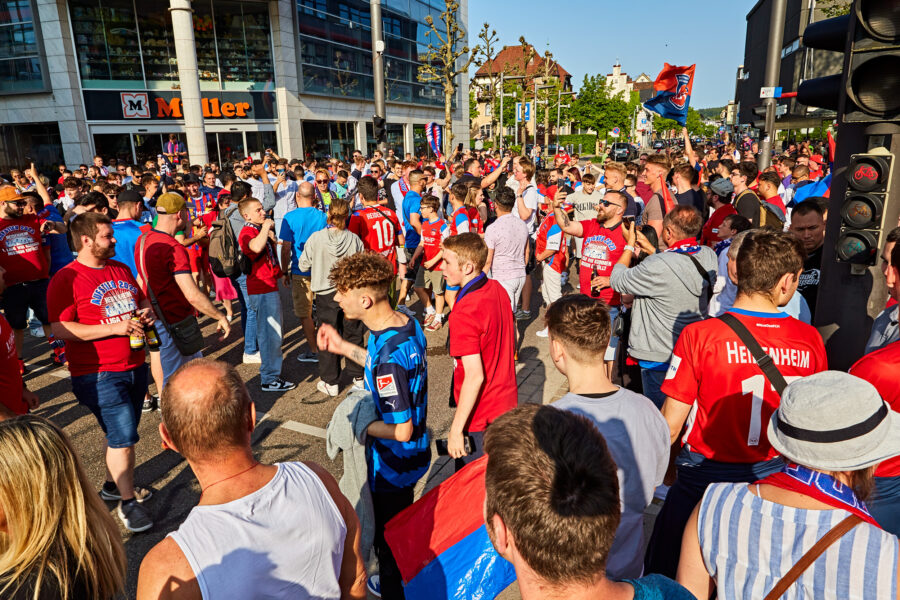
(669, 295)
(322, 250)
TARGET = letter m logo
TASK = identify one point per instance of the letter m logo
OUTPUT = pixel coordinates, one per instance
(135, 105)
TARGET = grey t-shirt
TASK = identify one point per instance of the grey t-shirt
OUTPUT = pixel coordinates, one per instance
(638, 439)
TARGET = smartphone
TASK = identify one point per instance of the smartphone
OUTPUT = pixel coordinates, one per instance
(460, 147)
(441, 445)
(627, 221)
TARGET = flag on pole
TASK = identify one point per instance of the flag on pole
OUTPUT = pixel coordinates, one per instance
(673, 88)
(441, 543)
(831, 147)
(666, 193)
(435, 136)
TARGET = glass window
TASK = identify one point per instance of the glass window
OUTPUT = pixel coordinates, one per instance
(260, 141)
(158, 48)
(113, 145)
(343, 139)
(205, 41)
(212, 148)
(245, 51)
(147, 146)
(106, 43)
(316, 138)
(20, 62)
(420, 141)
(395, 138)
(231, 147)
(39, 142)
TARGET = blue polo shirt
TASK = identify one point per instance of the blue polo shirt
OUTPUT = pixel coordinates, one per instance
(296, 227)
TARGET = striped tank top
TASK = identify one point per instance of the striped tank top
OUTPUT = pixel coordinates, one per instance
(748, 544)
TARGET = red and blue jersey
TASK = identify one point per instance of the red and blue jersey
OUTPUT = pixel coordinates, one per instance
(551, 237)
(465, 219)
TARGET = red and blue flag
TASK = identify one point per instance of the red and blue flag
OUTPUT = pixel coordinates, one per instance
(673, 88)
(434, 133)
(441, 543)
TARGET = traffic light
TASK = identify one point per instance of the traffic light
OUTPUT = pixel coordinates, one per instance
(867, 86)
(379, 127)
(862, 212)
(759, 111)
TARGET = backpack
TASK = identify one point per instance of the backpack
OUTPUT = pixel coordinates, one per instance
(225, 256)
(770, 216)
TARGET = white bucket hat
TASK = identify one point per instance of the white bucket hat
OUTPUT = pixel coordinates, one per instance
(836, 422)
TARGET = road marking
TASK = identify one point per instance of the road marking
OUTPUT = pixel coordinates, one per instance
(304, 428)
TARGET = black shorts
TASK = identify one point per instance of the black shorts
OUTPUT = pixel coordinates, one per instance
(532, 263)
(412, 268)
(18, 298)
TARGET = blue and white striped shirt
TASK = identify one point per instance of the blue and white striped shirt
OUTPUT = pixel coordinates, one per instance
(748, 544)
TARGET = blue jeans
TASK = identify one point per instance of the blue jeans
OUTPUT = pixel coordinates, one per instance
(248, 316)
(267, 308)
(884, 504)
(652, 381)
(115, 398)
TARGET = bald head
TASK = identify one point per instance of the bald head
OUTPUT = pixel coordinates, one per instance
(306, 194)
(206, 409)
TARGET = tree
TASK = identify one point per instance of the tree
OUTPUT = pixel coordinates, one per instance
(489, 39)
(834, 8)
(595, 109)
(473, 107)
(661, 125)
(445, 62)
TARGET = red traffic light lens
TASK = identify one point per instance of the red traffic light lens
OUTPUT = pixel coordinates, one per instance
(862, 211)
(857, 247)
(866, 173)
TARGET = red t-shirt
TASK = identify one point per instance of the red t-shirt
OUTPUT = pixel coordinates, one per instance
(481, 322)
(377, 228)
(264, 273)
(734, 400)
(10, 377)
(465, 219)
(96, 297)
(432, 236)
(164, 258)
(562, 156)
(21, 254)
(881, 368)
(551, 237)
(710, 235)
(777, 201)
(601, 248)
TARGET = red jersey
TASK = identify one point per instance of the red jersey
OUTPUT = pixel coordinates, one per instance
(96, 297)
(432, 236)
(465, 219)
(264, 270)
(710, 235)
(881, 368)
(377, 227)
(482, 322)
(562, 157)
(551, 237)
(10, 377)
(21, 253)
(600, 249)
(164, 258)
(734, 400)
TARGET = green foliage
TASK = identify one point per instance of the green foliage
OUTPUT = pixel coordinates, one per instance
(661, 125)
(598, 160)
(587, 141)
(473, 106)
(835, 8)
(594, 108)
(711, 113)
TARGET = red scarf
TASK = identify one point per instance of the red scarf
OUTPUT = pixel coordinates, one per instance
(821, 487)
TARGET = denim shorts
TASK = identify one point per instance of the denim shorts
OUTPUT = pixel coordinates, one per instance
(115, 398)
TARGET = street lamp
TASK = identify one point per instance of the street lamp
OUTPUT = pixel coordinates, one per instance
(559, 96)
(503, 94)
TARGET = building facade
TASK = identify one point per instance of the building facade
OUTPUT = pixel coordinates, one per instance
(85, 77)
(797, 64)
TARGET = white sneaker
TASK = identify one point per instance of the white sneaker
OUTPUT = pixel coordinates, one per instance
(328, 390)
(359, 383)
(252, 359)
(543, 333)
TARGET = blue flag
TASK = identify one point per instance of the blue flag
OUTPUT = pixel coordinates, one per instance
(673, 88)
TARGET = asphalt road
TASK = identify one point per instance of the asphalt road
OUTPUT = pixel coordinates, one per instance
(291, 425)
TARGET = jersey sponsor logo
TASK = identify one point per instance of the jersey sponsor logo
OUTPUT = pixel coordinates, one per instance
(809, 277)
(738, 354)
(387, 385)
(673, 367)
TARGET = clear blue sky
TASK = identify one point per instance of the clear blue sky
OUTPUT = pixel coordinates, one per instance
(642, 34)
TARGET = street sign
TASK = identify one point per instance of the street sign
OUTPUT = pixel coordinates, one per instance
(615, 132)
(518, 112)
(780, 110)
(527, 111)
(770, 92)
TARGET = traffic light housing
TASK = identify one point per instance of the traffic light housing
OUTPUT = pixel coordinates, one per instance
(759, 111)
(863, 208)
(379, 129)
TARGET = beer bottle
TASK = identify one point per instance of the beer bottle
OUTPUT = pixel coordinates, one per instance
(151, 336)
(595, 290)
(136, 341)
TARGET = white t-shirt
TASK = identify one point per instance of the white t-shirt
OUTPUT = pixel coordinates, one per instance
(530, 196)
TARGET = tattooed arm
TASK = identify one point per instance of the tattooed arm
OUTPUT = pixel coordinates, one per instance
(562, 219)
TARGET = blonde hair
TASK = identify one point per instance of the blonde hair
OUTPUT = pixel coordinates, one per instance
(57, 527)
(338, 213)
(472, 196)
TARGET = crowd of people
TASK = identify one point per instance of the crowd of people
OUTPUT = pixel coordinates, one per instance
(695, 377)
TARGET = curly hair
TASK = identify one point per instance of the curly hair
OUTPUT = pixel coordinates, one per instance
(363, 270)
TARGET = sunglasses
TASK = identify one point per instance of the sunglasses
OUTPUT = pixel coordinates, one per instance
(607, 203)
(19, 203)
(321, 181)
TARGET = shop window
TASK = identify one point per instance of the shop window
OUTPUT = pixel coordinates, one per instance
(22, 144)
(113, 145)
(245, 51)
(395, 138)
(205, 42)
(260, 141)
(231, 147)
(147, 147)
(21, 66)
(158, 47)
(106, 43)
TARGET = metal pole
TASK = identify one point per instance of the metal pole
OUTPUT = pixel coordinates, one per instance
(502, 93)
(189, 80)
(773, 70)
(558, 107)
(378, 65)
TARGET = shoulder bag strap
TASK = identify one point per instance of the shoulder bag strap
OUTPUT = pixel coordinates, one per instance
(761, 357)
(833, 535)
(704, 274)
(142, 271)
(386, 216)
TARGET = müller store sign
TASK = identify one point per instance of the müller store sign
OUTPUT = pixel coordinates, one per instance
(166, 106)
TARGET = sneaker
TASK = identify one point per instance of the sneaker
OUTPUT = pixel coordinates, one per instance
(359, 383)
(134, 517)
(112, 493)
(278, 385)
(373, 585)
(406, 311)
(543, 333)
(328, 390)
(523, 315)
(151, 403)
(429, 319)
(252, 359)
(434, 325)
(308, 357)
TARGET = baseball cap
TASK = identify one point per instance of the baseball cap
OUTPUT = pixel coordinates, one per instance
(170, 203)
(721, 187)
(191, 178)
(10, 194)
(816, 158)
(834, 421)
(128, 196)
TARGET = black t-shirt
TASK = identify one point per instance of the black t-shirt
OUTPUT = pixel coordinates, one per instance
(809, 278)
(50, 589)
(692, 198)
(747, 205)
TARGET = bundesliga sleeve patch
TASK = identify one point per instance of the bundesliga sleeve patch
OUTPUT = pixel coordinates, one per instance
(386, 385)
(673, 367)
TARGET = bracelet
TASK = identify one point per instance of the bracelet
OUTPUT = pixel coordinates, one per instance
(629, 247)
